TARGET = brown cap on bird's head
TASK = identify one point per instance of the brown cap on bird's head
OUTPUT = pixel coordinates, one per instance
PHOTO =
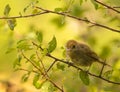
(71, 44)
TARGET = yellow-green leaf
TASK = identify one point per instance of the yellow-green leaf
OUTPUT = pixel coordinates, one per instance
(24, 45)
(52, 88)
(7, 10)
(9, 50)
(108, 74)
(95, 4)
(61, 66)
(52, 45)
(39, 37)
(36, 82)
(11, 23)
(58, 10)
(84, 77)
(80, 1)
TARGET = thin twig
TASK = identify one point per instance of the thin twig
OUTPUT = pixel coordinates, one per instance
(102, 68)
(42, 64)
(61, 89)
(80, 19)
(51, 65)
(27, 70)
(32, 63)
(47, 76)
(24, 16)
(109, 7)
(78, 68)
(61, 13)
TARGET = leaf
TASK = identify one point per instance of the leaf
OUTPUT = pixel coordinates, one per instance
(11, 23)
(37, 84)
(35, 11)
(108, 74)
(58, 9)
(36, 78)
(106, 50)
(80, 1)
(7, 10)
(61, 66)
(84, 77)
(95, 4)
(25, 77)
(24, 45)
(32, 57)
(59, 21)
(45, 52)
(17, 61)
(39, 36)
(51, 88)
(9, 50)
(52, 45)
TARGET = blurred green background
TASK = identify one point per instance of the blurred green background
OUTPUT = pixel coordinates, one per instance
(104, 42)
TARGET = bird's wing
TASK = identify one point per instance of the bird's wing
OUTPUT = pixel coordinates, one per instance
(89, 52)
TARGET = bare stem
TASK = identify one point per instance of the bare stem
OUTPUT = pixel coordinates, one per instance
(45, 11)
(47, 77)
(107, 6)
(80, 19)
(78, 68)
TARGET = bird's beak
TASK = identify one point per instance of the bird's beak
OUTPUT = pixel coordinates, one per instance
(67, 49)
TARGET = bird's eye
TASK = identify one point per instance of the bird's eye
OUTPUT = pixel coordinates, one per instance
(73, 46)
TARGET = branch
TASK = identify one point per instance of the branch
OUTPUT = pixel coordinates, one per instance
(27, 70)
(32, 63)
(79, 19)
(109, 7)
(42, 64)
(47, 77)
(64, 14)
(78, 68)
(25, 16)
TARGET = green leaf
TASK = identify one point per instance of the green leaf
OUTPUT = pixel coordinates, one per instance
(37, 84)
(108, 74)
(59, 21)
(58, 10)
(52, 45)
(36, 78)
(17, 61)
(32, 57)
(24, 45)
(9, 50)
(80, 1)
(7, 10)
(11, 23)
(95, 4)
(25, 77)
(106, 50)
(45, 52)
(61, 66)
(39, 36)
(84, 77)
(35, 11)
(51, 88)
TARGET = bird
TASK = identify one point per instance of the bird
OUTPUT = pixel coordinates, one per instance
(81, 54)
